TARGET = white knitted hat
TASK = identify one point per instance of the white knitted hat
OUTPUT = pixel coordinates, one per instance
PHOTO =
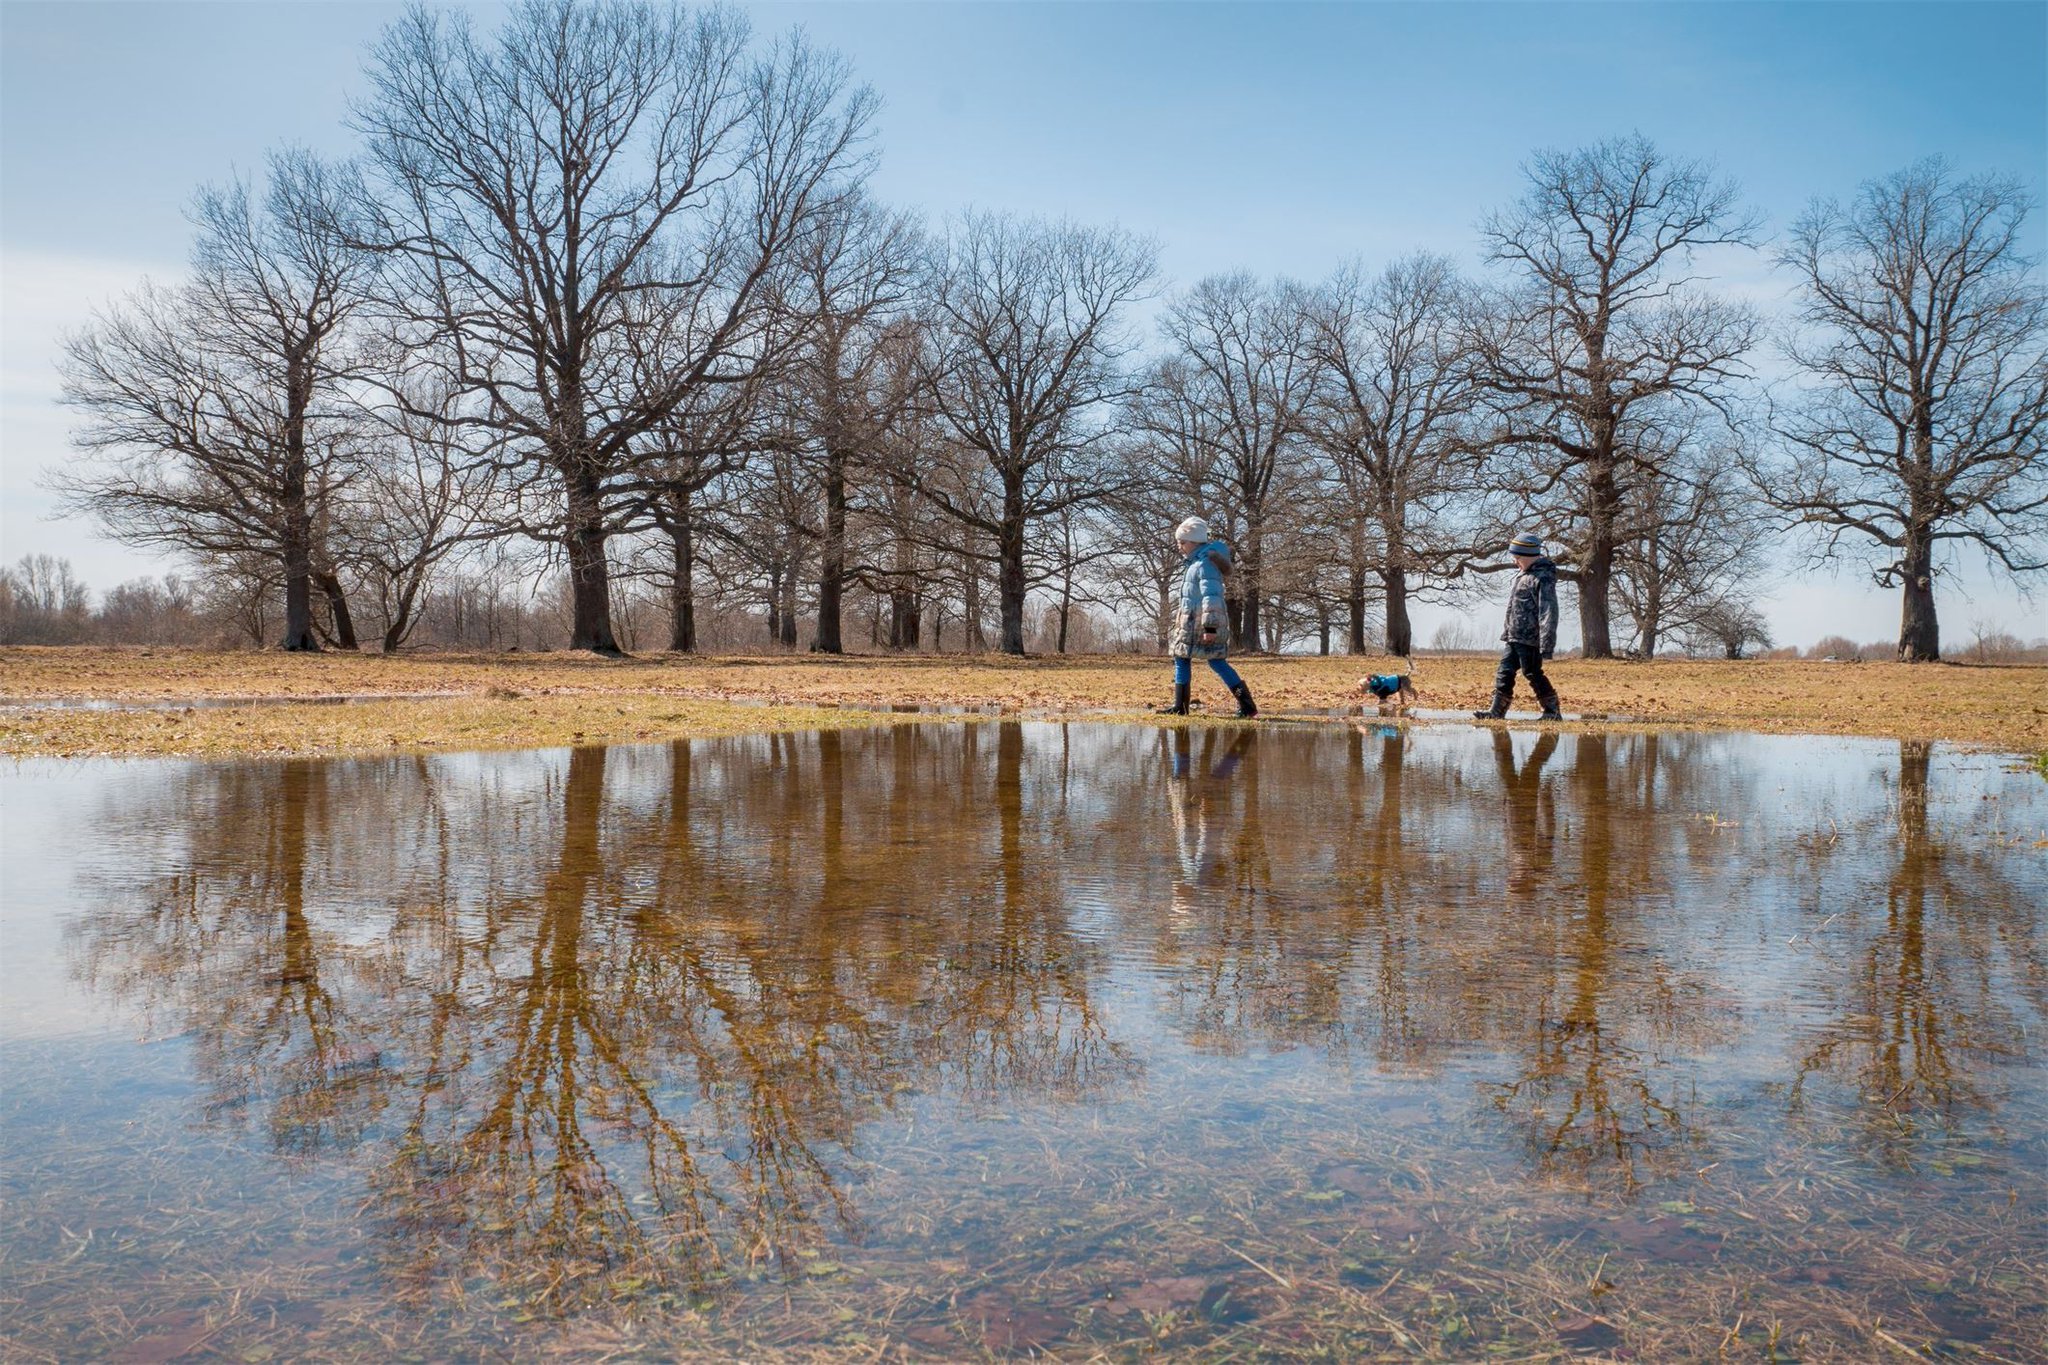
(1195, 529)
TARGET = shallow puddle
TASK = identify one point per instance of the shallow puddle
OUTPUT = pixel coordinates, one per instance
(961, 1039)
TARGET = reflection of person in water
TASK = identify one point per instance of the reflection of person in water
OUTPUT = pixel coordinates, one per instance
(1198, 793)
(1530, 817)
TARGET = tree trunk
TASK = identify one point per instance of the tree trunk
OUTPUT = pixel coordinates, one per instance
(774, 601)
(590, 595)
(1010, 566)
(1323, 625)
(1354, 606)
(1919, 632)
(298, 518)
(329, 584)
(1164, 621)
(786, 637)
(902, 619)
(1604, 499)
(682, 582)
(1246, 625)
(970, 603)
(832, 556)
(400, 622)
(1067, 592)
(1400, 633)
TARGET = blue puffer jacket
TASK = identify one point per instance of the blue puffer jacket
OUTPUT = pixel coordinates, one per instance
(1201, 602)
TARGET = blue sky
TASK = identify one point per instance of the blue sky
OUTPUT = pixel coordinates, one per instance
(1280, 138)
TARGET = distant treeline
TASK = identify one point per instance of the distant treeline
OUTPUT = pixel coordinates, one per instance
(601, 340)
(42, 602)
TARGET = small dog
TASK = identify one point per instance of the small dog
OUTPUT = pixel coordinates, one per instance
(1395, 692)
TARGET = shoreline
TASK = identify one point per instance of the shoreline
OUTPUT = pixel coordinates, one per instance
(156, 702)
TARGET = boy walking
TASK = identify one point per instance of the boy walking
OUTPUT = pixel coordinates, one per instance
(1530, 631)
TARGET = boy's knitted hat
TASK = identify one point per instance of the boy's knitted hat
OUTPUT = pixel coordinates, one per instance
(1527, 543)
(1195, 529)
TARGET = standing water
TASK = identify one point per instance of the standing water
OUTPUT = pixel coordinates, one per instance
(950, 1040)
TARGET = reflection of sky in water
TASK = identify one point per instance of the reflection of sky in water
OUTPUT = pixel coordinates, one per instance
(660, 1014)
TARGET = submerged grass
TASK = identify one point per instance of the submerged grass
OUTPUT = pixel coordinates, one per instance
(446, 700)
(1347, 1243)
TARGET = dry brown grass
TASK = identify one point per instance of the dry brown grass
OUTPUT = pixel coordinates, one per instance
(450, 701)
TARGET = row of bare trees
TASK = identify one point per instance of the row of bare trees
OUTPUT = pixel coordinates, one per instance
(605, 293)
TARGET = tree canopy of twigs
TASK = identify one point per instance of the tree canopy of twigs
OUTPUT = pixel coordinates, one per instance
(583, 212)
(1603, 324)
(1023, 364)
(1925, 350)
(605, 339)
(220, 406)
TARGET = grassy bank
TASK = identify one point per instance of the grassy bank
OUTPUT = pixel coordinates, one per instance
(449, 701)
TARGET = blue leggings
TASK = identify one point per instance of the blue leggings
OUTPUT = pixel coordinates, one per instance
(1184, 673)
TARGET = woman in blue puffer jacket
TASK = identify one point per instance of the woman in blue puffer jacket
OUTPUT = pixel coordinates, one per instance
(1202, 633)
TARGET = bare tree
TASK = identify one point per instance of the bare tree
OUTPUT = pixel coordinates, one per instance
(856, 279)
(1603, 322)
(151, 611)
(219, 409)
(702, 445)
(1244, 374)
(420, 495)
(1924, 425)
(586, 209)
(1024, 356)
(1694, 538)
(1143, 566)
(1733, 627)
(42, 602)
(1394, 413)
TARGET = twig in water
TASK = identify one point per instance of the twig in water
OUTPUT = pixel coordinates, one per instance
(1258, 1266)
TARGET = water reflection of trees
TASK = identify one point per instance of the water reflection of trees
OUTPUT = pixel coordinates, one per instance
(1934, 997)
(629, 1013)
(1593, 1100)
(1410, 901)
(644, 1035)
(265, 996)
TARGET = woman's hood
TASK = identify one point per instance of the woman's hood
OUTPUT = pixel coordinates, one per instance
(1215, 552)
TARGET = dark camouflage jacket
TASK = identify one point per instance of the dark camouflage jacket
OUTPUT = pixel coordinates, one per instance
(1532, 607)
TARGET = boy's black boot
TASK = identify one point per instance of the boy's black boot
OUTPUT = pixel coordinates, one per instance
(1180, 701)
(1549, 700)
(1246, 707)
(1497, 711)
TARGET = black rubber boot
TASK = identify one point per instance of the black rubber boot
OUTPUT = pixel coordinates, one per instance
(1180, 702)
(1246, 707)
(1497, 711)
(1550, 711)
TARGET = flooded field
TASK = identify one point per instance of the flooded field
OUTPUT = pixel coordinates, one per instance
(955, 1040)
